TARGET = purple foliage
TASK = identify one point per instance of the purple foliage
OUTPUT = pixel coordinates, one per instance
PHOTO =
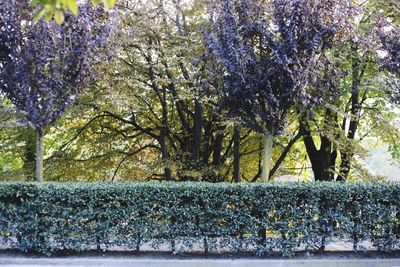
(43, 66)
(390, 62)
(268, 52)
(391, 45)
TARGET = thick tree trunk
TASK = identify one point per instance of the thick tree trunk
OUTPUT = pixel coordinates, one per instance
(39, 154)
(236, 154)
(322, 160)
(322, 167)
(267, 155)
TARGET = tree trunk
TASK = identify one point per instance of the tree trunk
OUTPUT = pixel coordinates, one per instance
(39, 154)
(206, 148)
(267, 155)
(236, 154)
(30, 152)
(347, 156)
(164, 135)
(285, 152)
(322, 160)
(345, 167)
(217, 147)
(197, 130)
(322, 166)
(165, 157)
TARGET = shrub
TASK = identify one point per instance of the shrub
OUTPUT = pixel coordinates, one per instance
(260, 218)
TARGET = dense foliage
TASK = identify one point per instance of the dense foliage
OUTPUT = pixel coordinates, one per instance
(391, 58)
(260, 218)
(203, 89)
(56, 8)
(43, 65)
(270, 52)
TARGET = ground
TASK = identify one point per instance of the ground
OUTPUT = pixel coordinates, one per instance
(12, 259)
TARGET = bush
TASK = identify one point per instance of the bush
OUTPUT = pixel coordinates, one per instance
(259, 218)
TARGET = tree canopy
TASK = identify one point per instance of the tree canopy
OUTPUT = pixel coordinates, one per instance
(44, 65)
(232, 90)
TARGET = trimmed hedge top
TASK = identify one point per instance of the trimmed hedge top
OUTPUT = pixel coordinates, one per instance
(259, 218)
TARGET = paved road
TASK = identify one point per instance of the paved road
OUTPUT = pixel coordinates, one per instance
(116, 262)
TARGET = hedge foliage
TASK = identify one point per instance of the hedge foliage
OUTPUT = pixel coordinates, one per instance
(259, 218)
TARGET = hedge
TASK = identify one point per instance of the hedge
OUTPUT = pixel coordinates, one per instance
(258, 218)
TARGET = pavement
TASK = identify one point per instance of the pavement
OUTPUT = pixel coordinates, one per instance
(13, 261)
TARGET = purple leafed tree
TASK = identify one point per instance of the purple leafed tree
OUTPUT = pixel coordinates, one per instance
(391, 59)
(268, 52)
(44, 66)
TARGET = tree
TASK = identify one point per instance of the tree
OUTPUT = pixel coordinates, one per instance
(268, 53)
(98, 136)
(359, 106)
(160, 92)
(390, 45)
(43, 65)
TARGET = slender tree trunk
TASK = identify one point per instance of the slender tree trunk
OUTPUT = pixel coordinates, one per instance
(236, 154)
(267, 155)
(164, 136)
(165, 157)
(197, 130)
(217, 147)
(347, 156)
(30, 152)
(285, 152)
(345, 167)
(39, 154)
(206, 148)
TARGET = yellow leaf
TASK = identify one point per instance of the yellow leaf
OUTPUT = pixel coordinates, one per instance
(48, 11)
(59, 16)
(72, 7)
(95, 2)
(109, 3)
